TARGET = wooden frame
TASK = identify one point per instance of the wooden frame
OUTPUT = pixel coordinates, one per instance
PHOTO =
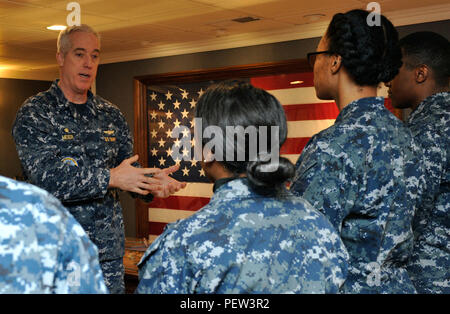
(140, 105)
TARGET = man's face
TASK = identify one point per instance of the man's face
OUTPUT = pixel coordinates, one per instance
(401, 88)
(79, 65)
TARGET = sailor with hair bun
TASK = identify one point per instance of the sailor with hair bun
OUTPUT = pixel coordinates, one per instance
(363, 172)
(254, 236)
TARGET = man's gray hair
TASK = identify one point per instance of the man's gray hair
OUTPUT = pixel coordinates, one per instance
(64, 44)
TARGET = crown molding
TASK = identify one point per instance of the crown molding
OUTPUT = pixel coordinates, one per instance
(313, 30)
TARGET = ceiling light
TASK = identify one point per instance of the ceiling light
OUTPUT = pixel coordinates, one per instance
(296, 82)
(57, 27)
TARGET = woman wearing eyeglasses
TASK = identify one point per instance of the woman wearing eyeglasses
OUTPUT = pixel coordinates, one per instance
(363, 172)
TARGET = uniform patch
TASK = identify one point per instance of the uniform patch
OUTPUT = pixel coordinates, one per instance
(108, 137)
(67, 137)
(70, 161)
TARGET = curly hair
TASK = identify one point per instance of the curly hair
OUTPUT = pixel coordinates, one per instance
(370, 54)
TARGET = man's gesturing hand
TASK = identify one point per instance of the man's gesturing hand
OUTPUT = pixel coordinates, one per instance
(132, 179)
(170, 185)
(129, 178)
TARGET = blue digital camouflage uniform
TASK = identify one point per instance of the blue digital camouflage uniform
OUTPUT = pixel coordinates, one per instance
(245, 243)
(43, 249)
(363, 174)
(68, 149)
(429, 267)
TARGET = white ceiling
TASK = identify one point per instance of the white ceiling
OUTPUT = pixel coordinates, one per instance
(140, 29)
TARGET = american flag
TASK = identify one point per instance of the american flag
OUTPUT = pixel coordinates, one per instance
(170, 106)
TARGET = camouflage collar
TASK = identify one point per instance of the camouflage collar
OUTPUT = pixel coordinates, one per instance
(221, 182)
(231, 188)
(56, 91)
(235, 188)
(430, 105)
(63, 103)
(360, 107)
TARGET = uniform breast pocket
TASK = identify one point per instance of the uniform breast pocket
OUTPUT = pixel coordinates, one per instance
(103, 146)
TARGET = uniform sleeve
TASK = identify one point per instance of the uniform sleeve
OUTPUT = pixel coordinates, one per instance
(322, 180)
(434, 145)
(39, 150)
(434, 156)
(165, 268)
(78, 268)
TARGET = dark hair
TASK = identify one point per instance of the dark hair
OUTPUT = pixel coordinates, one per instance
(431, 49)
(370, 54)
(236, 103)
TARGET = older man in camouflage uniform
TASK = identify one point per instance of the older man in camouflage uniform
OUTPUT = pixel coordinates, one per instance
(242, 242)
(363, 174)
(422, 84)
(43, 249)
(78, 146)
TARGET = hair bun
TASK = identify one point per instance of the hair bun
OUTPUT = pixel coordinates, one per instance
(267, 176)
(370, 54)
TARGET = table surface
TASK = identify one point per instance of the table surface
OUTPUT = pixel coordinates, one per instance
(134, 250)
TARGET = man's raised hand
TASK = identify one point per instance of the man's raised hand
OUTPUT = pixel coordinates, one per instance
(133, 179)
(144, 180)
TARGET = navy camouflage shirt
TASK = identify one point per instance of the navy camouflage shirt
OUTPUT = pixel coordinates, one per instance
(242, 242)
(68, 149)
(43, 249)
(363, 173)
(430, 264)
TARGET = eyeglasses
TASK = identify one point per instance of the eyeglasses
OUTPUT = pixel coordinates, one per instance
(311, 56)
